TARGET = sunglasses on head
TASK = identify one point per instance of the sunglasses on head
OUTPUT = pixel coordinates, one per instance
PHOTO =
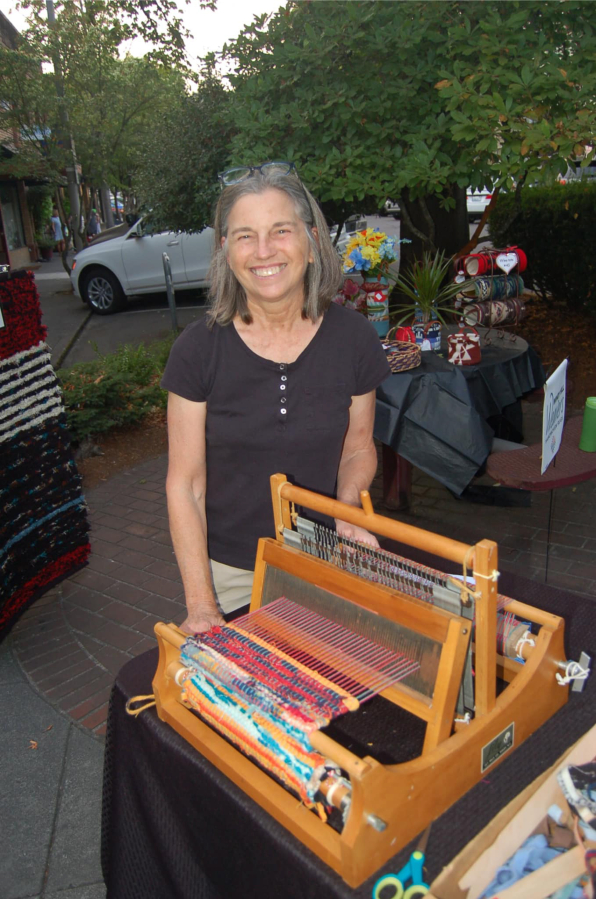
(242, 172)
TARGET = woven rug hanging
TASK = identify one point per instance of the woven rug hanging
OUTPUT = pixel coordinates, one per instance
(43, 518)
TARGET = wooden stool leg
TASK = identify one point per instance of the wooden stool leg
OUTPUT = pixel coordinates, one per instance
(397, 480)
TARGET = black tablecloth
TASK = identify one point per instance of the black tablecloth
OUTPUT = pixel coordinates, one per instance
(174, 827)
(436, 416)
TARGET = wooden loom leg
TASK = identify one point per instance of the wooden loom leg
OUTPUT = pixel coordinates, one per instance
(447, 684)
(281, 507)
(485, 664)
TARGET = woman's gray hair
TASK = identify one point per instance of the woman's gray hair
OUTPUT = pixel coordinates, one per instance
(323, 276)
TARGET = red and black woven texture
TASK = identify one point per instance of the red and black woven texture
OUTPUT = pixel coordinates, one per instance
(43, 518)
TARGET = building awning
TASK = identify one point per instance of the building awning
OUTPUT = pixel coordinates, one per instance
(8, 152)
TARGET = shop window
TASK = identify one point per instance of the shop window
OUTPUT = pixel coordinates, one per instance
(11, 213)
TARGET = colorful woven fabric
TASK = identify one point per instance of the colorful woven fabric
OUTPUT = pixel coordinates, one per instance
(21, 313)
(43, 522)
(261, 701)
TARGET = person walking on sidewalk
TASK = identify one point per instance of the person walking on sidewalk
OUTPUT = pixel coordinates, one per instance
(276, 378)
(57, 230)
(93, 225)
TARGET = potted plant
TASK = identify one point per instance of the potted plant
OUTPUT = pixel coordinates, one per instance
(45, 245)
(371, 252)
(430, 290)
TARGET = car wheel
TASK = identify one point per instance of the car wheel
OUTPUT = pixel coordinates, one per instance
(102, 292)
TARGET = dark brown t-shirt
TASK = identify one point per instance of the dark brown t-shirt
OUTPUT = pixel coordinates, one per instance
(264, 417)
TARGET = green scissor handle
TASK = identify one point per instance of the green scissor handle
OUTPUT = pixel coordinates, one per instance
(391, 880)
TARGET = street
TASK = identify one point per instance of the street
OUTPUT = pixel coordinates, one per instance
(75, 334)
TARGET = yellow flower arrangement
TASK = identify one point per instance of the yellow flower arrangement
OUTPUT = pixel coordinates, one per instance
(370, 252)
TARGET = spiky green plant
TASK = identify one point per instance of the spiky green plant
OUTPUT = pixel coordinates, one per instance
(429, 288)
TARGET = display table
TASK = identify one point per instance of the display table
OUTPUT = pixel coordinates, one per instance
(521, 468)
(174, 826)
(437, 416)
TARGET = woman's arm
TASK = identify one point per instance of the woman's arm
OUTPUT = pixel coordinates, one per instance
(358, 463)
(185, 487)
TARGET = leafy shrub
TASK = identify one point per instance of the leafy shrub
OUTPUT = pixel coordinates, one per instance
(40, 202)
(556, 227)
(114, 390)
(45, 242)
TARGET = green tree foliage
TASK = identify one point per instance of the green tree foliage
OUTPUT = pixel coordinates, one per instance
(556, 227)
(112, 115)
(30, 109)
(109, 100)
(416, 101)
(187, 147)
(157, 22)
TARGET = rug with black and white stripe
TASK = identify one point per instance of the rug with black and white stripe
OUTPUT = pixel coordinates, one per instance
(43, 517)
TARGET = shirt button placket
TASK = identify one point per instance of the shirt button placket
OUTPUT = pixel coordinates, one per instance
(282, 387)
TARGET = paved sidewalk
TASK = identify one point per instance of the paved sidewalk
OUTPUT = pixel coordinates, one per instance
(50, 796)
(72, 642)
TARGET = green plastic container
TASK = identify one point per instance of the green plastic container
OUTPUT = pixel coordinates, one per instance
(587, 441)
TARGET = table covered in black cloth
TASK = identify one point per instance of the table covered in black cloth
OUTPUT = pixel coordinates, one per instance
(438, 416)
(174, 827)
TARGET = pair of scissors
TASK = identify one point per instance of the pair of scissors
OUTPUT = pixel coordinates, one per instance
(412, 870)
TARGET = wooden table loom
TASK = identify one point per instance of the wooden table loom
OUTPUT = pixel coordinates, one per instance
(480, 682)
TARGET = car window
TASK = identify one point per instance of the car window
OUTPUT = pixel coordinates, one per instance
(146, 227)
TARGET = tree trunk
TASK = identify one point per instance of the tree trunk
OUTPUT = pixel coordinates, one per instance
(107, 206)
(441, 229)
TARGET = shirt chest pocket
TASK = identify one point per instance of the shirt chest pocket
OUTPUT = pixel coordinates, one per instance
(326, 406)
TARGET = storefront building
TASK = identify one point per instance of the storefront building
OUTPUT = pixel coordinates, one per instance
(17, 236)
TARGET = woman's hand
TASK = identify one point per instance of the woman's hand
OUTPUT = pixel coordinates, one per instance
(200, 621)
(351, 532)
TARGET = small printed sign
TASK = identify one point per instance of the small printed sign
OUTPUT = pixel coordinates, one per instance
(507, 261)
(553, 416)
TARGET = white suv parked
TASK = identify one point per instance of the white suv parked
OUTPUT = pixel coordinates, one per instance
(111, 269)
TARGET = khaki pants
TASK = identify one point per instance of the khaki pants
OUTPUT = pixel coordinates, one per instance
(233, 586)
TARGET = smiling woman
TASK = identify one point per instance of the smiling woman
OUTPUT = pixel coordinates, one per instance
(276, 378)
(268, 251)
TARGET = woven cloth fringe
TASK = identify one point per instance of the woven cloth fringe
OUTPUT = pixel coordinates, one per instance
(43, 518)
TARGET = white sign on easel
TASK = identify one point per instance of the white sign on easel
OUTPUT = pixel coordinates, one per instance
(553, 416)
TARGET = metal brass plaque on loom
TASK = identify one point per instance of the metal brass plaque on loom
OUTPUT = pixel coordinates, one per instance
(497, 747)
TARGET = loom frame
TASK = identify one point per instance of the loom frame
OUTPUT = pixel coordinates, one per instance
(409, 795)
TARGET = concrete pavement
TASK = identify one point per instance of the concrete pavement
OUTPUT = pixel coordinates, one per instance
(50, 799)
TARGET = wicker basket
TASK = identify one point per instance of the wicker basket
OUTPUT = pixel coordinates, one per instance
(402, 356)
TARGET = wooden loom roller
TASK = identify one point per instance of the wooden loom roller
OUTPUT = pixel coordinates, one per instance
(390, 804)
